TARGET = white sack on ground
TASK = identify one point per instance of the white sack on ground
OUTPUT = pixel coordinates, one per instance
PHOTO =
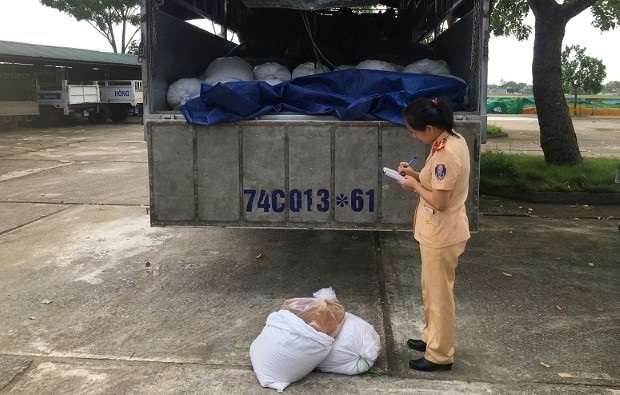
(228, 69)
(376, 65)
(428, 66)
(286, 350)
(183, 90)
(323, 311)
(272, 72)
(309, 68)
(355, 349)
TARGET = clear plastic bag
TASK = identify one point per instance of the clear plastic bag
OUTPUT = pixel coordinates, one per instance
(323, 312)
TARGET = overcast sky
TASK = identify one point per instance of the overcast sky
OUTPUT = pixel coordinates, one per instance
(510, 60)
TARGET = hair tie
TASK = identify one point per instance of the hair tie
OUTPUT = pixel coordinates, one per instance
(434, 101)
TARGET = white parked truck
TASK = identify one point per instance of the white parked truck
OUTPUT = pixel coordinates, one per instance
(97, 100)
(74, 100)
(305, 152)
(119, 97)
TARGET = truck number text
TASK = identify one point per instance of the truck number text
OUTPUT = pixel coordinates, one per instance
(307, 200)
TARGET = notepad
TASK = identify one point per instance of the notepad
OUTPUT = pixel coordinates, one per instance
(393, 174)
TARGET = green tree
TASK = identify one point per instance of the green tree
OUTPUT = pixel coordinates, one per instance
(612, 87)
(104, 16)
(133, 48)
(514, 86)
(557, 134)
(581, 72)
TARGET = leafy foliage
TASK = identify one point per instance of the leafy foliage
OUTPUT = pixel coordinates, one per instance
(581, 71)
(104, 16)
(507, 18)
(606, 14)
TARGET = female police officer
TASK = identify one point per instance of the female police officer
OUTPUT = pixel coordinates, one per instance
(440, 224)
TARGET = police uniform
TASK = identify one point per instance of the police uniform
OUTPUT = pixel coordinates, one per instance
(442, 236)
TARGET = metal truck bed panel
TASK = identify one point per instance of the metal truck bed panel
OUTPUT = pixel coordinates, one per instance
(324, 175)
(79, 94)
(12, 108)
(121, 92)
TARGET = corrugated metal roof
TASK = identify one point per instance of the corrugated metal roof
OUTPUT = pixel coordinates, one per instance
(45, 52)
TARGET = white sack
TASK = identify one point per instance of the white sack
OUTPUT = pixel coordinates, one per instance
(428, 66)
(272, 72)
(183, 90)
(309, 68)
(376, 65)
(355, 349)
(344, 67)
(286, 350)
(228, 69)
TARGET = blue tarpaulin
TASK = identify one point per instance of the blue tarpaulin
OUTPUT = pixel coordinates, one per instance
(351, 94)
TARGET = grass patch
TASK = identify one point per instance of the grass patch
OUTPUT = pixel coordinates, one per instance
(493, 129)
(499, 170)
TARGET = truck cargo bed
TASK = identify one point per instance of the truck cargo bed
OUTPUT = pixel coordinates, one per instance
(296, 174)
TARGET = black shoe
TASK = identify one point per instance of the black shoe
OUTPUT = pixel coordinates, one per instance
(417, 345)
(425, 365)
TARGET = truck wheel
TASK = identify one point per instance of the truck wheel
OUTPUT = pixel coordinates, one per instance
(49, 116)
(97, 117)
(119, 115)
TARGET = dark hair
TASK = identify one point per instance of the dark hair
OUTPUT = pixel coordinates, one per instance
(435, 112)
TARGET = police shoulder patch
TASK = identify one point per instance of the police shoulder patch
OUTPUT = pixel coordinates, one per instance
(440, 171)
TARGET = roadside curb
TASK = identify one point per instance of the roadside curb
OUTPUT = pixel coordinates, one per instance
(598, 199)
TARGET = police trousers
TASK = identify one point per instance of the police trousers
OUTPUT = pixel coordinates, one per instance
(438, 272)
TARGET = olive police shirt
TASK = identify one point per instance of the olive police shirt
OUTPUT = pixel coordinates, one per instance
(446, 168)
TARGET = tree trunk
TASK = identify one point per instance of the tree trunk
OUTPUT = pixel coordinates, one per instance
(557, 134)
(574, 99)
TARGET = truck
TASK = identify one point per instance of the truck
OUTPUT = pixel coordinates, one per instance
(222, 159)
(118, 97)
(72, 100)
(97, 100)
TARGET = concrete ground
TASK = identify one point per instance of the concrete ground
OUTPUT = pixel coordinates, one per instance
(93, 300)
(597, 136)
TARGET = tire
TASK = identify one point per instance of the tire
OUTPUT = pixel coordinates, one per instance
(119, 114)
(101, 116)
(50, 116)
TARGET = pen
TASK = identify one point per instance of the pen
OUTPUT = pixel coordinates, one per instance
(411, 161)
(402, 173)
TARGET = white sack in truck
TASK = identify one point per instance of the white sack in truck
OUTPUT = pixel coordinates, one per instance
(309, 68)
(428, 66)
(183, 90)
(376, 65)
(355, 349)
(286, 350)
(344, 67)
(228, 69)
(271, 72)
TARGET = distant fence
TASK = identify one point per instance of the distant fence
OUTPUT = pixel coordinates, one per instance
(525, 105)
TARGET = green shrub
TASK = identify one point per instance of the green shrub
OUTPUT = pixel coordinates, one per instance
(493, 129)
